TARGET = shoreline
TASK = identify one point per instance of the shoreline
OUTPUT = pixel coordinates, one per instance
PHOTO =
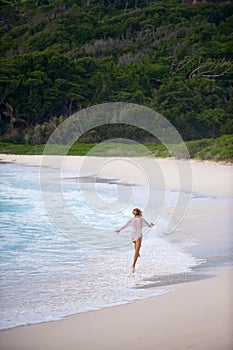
(171, 173)
(213, 244)
(172, 321)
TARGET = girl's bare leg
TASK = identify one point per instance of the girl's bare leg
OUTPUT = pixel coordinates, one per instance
(137, 246)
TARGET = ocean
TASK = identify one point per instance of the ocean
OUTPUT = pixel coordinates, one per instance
(57, 263)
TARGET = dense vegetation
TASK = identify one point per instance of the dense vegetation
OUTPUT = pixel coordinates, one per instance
(59, 56)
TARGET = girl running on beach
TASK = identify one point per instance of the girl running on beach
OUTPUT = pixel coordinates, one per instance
(137, 224)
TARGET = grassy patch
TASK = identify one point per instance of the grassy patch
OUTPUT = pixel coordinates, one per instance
(219, 149)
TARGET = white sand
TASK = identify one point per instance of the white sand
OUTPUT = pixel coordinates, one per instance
(205, 177)
(195, 315)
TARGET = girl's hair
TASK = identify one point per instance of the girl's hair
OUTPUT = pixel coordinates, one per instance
(138, 211)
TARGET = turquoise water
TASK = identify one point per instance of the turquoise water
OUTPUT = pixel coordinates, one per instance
(47, 274)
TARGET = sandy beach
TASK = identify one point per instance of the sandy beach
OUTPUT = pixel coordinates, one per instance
(196, 315)
(193, 316)
(207, 177)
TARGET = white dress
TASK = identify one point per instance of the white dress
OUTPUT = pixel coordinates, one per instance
(137, 225)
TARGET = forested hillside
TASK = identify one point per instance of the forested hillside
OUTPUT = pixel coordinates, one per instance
(59, 56)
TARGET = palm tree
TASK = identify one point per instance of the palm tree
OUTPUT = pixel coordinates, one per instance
(16, 124)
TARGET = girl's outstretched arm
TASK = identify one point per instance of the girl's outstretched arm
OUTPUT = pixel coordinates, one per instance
(123, 227)
(144, 221)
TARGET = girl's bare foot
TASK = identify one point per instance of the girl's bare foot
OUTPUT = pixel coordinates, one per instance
(133, 269)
